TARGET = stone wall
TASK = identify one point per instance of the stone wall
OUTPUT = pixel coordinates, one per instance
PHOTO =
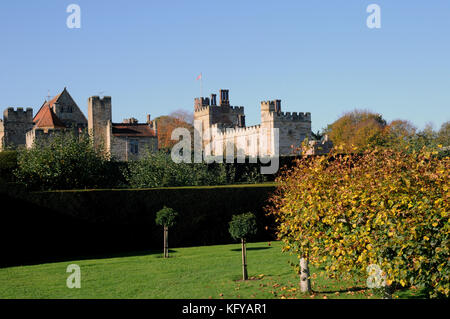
(121, 147)
(292, 131)
(39, 135)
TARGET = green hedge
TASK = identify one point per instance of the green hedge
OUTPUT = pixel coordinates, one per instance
(204, 212)
(105, 221)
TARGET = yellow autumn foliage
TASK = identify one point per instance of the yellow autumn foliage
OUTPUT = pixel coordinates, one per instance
(383, 207)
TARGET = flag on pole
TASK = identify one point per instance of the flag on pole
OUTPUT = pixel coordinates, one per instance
(199, 77)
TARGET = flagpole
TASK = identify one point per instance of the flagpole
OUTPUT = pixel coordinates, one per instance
(201, 84)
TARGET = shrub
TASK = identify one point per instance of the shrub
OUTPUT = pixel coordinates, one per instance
(158, 170)
(166, 217)
(242, 226)
(385, 207)
(63, 161)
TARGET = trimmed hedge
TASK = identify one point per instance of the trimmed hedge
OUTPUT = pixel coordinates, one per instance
(93, 222)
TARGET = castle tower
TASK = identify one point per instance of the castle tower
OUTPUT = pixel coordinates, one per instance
(15, 125)
(293, 128)
(100, 121)
(224, 115)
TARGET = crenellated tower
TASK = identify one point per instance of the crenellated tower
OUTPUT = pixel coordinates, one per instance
(293, 127)
(15, 125)
(100, 121)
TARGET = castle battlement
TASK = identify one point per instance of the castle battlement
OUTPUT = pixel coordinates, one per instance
(98, 101)
(201, 109)
(19, 115)
(207, 108)
(238, 109)
(294, 116)
(227, 132)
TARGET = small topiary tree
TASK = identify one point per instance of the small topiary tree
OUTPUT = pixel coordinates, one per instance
(166, 217)
(242, 226)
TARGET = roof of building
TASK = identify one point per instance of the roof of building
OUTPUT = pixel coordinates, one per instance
(132, 130)
(47, 103)
(47, 118)
(44, 110)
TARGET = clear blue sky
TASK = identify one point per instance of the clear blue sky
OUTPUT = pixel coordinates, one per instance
(317, 56)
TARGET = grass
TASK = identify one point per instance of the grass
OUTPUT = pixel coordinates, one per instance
(189, 273)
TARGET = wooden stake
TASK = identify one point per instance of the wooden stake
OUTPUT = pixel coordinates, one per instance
(166, 242)
(244, 260)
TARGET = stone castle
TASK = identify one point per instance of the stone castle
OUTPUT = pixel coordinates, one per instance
(227, 124)
(221, 124)
(122, 141)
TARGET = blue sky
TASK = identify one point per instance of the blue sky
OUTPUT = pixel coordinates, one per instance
(316, 56)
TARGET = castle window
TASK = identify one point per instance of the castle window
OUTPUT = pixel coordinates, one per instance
(134, 147)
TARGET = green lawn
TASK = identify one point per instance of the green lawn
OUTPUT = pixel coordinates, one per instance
(196, 272)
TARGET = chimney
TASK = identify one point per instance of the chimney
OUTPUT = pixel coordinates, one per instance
(131, 120)
(213, 99)
(149, 119)
(241, 120)
(224, 98)
(205, 101)
(277, 106)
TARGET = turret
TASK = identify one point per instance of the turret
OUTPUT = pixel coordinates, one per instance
(99, 120)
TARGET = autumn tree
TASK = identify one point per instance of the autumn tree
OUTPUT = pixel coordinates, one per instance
(383, 208)
(359, 129)
(399, 134)
(443, 135)
(167, 123)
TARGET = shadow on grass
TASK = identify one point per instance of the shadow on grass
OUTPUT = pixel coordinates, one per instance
(251, 248)
(89, 256)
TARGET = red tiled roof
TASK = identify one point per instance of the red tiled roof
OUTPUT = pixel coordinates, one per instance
(50, 103)
(133, 130)
(47, 118)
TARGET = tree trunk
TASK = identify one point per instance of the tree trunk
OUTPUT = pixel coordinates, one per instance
(387, 292)
(305, 281)
(244, 260)
(166, 242)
